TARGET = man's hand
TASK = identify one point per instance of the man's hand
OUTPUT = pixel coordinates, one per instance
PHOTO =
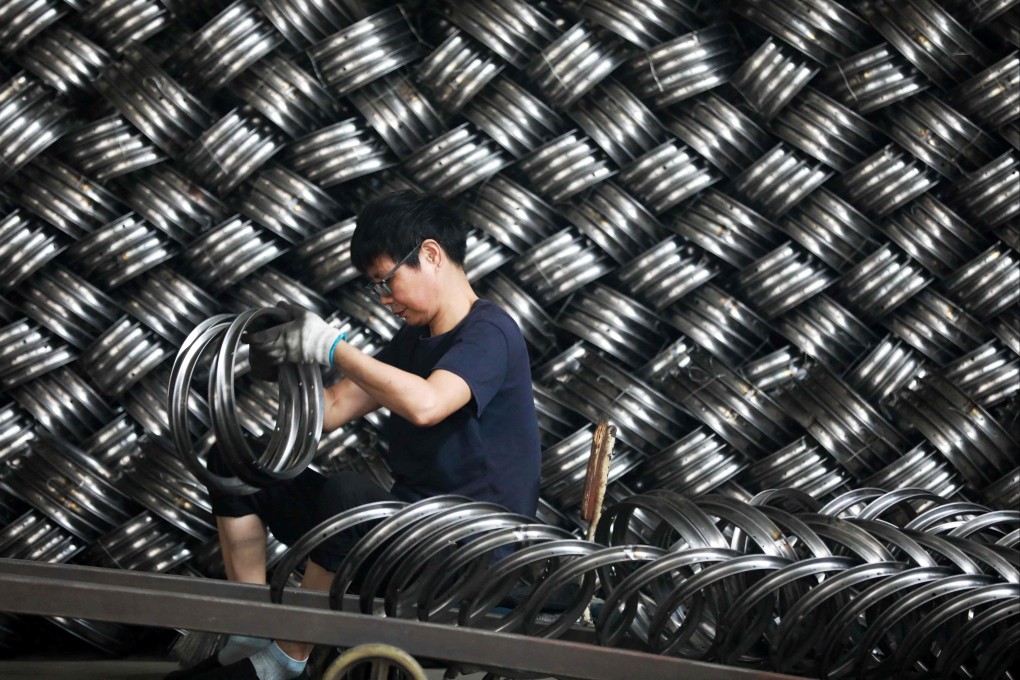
(262, 366)
(305, 339)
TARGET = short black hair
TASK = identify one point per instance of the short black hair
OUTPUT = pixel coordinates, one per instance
(393, 224)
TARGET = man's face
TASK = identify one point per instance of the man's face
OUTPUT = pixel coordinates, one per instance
(403, 288)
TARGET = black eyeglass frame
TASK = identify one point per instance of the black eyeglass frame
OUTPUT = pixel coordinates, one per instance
(381, 288)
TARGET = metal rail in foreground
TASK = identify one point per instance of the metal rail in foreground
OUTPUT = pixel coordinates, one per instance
(218, 606)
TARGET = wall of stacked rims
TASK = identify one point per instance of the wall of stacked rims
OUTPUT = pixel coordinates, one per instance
(777, 244)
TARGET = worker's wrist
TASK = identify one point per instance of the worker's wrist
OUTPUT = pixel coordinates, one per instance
(332, 347)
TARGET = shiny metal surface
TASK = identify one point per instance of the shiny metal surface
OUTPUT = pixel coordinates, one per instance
(618, 122)
(667, 175)
(779, 180)
(15, 434)
(744, 416)
(885, 181)
(934, 235)
(402, 115)
(121, 250)
(299, 417)
(928, 37)
(289, 205)
(306, 23)
(285, 93)
(772, 76)
(843, 423)
(125, 23)
(614, 323)
(32, 118)
(515, 118)
(936, 327)
(719, 323)
(644, 24)
(28, 351)
(882, 281)
(781, 280)
(230, 251)
(666, 272)
(694, 465)
(872, 79)
(232, 149)
(565, 166)
(25, 246)
(67, 305)
(484, 255)
(339, 153)
(269, 286)
(992, 97)
(802, 465)
(122, 355)
(173, 202)
(944, 139)
(110, 147)
(348, 59)
(573, 63)
(643, 413)
(719, 131)
(509, 213)
(455, 161)
(989, 194)
(66, 199)
(65, 60)
(728, 229)
(826, 130)
(62, 402)
(831, 229)
(989, 373)
(456, 70)
(618, 222)
(24, 20)
(775, 370)
(684, 66)
(164, 111)
(326, 256)
(560, 265)
(217, 53)
(975, 443)
(821, 29)
(891, 366)
(513, 29)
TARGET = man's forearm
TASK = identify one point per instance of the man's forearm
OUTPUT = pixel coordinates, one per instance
(401, 392)
(346, 401)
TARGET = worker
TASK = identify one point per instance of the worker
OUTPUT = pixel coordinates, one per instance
(456, 379)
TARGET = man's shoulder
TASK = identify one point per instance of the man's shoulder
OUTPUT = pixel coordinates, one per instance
(488, 312)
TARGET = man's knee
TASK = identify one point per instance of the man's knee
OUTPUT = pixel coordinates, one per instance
(240, 532)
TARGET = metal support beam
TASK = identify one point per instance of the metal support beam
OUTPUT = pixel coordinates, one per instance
(219, 606)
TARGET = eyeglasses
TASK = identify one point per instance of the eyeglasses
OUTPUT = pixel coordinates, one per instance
(381, 288)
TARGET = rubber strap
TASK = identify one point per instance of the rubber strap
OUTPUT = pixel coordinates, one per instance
(332, 348)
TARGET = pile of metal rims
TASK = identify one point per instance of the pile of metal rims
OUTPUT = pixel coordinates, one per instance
(872, 583)
(776, 243)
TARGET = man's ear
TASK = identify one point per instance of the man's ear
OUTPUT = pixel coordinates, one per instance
(431, 251)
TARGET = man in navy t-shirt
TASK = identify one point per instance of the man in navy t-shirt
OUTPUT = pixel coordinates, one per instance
(487, 449)
(456, 380)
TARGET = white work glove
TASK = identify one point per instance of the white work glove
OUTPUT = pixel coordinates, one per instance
(305, 339)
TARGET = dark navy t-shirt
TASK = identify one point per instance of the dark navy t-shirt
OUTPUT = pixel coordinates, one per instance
(489, 449)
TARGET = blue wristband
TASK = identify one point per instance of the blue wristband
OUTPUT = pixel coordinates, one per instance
(332, 348)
